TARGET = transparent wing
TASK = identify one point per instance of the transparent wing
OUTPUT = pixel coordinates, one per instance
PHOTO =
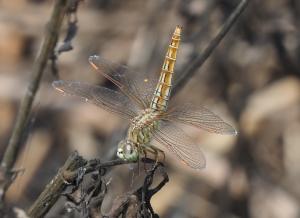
(199, 117)
(139, 87)
(176, 141)
(105, 98)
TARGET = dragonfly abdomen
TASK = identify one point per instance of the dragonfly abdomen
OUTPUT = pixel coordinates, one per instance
(163, 89)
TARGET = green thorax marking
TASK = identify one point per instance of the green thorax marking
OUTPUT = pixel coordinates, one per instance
(142, 126)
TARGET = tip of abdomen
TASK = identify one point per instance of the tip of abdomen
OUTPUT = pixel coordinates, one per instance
(178, 30)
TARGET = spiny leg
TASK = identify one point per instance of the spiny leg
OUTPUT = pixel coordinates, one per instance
(145, 150)
(160, 151)
(141, 150)
(155, 151)
(145, 155)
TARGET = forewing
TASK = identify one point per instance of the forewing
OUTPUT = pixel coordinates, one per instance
(176, 141)
(105, 98)
(139, 87)
(199, 117)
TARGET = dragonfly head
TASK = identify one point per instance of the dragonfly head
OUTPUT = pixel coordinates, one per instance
(127, 150)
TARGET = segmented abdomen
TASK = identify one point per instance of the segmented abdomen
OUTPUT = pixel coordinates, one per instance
(163, 89)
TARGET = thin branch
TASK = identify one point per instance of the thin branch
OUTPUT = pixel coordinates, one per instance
(94, 165)
(39, 65)
(54, 189)
(190, 68)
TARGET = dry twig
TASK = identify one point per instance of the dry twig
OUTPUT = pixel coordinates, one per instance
(39, 65)
(57, 185)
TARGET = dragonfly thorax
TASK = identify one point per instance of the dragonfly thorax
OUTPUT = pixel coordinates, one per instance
(145, 118)
(139, 133)
(142, 126)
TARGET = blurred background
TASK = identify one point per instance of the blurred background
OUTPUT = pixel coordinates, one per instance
(251, 81)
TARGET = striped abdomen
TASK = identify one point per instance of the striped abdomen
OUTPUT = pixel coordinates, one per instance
(163, 89)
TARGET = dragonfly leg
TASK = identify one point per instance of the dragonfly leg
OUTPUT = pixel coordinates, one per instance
(148, 153)
(158, 151)
(143, 151)
(155, 151)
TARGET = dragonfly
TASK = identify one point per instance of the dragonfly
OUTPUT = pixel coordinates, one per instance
(145, 102)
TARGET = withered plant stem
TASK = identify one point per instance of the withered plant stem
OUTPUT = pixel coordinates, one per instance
(48, 44)
(56, 186)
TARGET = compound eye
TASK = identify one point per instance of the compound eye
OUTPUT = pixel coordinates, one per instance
(120, 151)
(129, 148)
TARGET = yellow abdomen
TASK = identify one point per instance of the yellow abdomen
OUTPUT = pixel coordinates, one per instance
(163, 89)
